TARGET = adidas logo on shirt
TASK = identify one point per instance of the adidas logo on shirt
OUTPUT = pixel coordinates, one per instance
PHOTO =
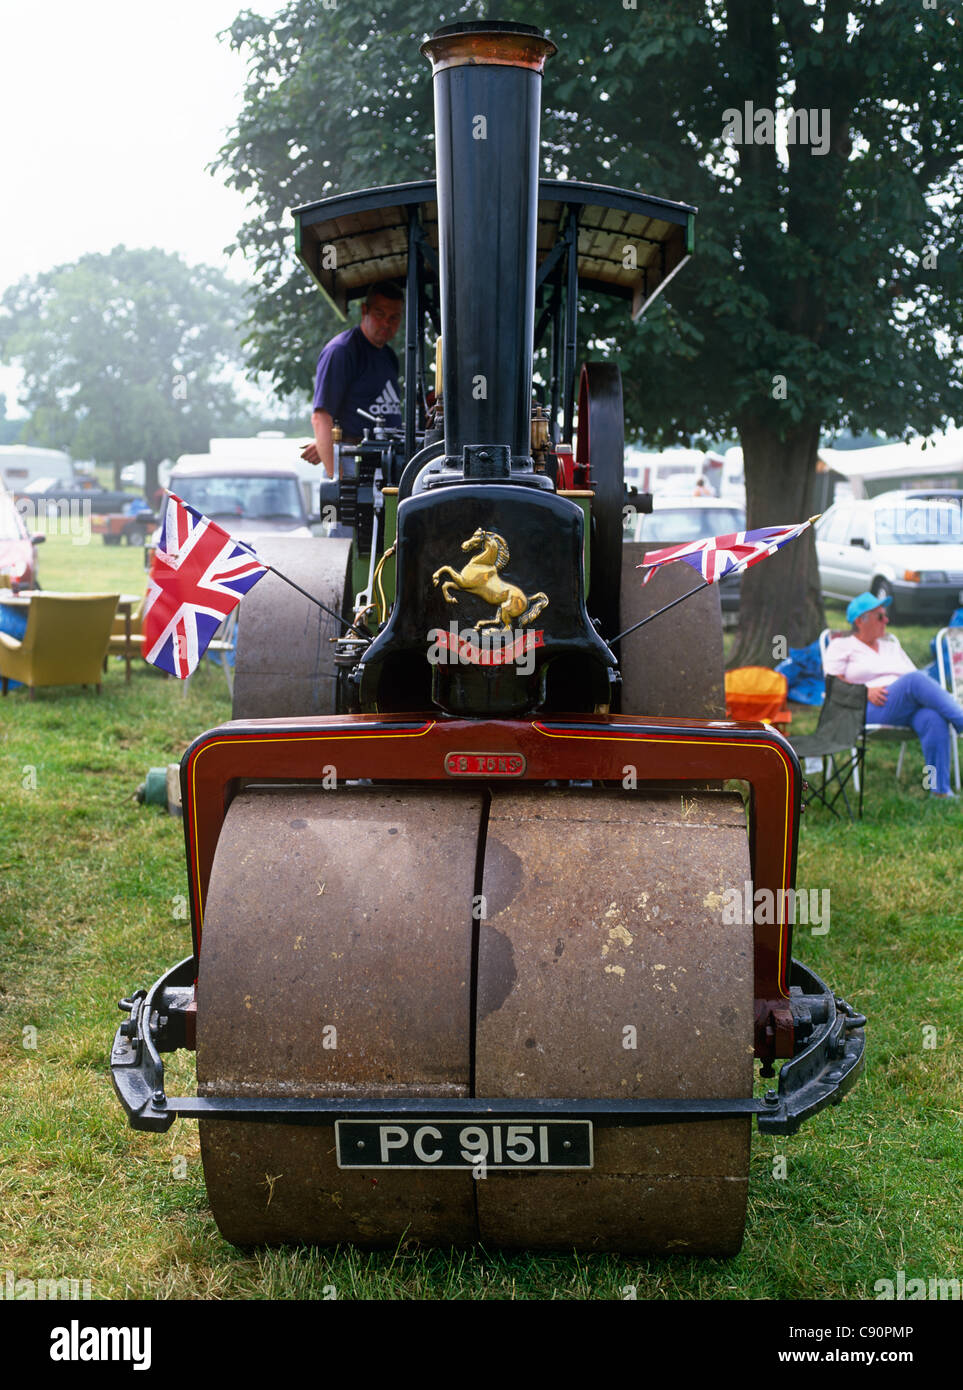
(388, 403)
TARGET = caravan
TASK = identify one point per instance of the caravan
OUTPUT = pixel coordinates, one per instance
(675, 471)
(22, 464)
(270, 450)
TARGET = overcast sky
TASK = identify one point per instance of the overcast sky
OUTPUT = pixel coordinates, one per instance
(109, 111)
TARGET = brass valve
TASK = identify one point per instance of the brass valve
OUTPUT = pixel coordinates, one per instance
(540, 437)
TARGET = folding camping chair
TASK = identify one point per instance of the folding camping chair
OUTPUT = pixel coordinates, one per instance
(839, 743)
(949, 666)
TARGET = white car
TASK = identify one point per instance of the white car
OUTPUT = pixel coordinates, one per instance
(897, 546)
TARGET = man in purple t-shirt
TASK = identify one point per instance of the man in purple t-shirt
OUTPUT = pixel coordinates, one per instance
(357, 370)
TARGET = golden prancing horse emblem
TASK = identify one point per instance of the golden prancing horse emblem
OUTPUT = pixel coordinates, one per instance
(481, 576)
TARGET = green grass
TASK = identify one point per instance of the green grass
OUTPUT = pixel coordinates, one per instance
(83, 564)
(90, 908)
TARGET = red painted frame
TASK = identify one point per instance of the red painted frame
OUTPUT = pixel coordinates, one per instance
(410, 748)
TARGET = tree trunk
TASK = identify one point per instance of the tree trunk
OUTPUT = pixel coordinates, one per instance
(151, 467)
(781, 605)
(118, 484)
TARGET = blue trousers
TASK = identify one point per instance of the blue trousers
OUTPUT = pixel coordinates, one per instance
(917, 700)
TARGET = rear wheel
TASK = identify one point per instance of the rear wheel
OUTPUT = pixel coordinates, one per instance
(673, 666)
(882, 590)
(284, 663)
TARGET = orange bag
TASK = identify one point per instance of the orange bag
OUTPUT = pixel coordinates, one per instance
(755, 692)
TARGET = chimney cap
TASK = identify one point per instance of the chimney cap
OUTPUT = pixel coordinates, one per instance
(494, 43)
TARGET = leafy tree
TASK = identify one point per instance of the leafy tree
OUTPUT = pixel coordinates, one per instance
(9, 429)
(827, 287)
(124, 356)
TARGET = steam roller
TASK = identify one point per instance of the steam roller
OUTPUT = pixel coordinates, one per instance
(475, 954)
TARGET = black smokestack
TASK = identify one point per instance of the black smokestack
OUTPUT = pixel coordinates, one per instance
(487, 83)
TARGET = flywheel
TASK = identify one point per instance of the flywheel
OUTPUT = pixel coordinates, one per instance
(600, 443)
(439, 943)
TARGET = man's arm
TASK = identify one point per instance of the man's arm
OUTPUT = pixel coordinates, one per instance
(322, 450)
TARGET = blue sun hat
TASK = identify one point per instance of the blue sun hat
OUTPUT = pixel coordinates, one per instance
(862, 603)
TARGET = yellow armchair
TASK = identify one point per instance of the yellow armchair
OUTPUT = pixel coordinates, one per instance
(64, 644)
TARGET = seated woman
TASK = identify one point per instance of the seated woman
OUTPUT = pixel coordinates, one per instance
(898, 693)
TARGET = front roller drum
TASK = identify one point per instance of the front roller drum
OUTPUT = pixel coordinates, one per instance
(335, 961)
(587, 937)
(604, 971)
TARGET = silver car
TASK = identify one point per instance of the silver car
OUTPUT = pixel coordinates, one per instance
(909, 549)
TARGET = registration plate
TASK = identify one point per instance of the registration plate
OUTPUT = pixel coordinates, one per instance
(490, 1145)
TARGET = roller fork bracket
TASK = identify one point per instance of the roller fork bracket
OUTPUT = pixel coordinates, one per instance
(159, 1021)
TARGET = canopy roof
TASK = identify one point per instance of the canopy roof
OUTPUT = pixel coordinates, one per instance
(922, 457)
(351, 241)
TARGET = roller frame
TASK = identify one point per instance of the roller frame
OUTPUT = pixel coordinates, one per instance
(666, 753)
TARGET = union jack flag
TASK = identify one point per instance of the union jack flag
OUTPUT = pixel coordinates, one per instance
(198, 575)
(721, 555)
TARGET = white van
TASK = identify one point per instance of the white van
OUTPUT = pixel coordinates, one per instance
(21, 464)
(732, 487)
(674, 472)
(135, 474)
(246, 498)
(273, 450)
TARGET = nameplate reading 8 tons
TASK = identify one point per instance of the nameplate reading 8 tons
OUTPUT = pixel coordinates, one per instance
(498, 1145)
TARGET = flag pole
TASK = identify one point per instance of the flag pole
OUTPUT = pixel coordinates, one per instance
(365, 635)
(244, 545)
(688, 594)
